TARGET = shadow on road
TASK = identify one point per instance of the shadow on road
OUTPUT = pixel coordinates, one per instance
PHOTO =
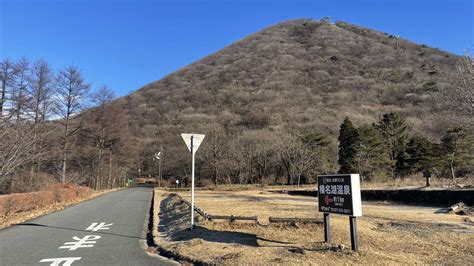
(77, 230)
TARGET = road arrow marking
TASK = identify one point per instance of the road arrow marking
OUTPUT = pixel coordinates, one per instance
(96, 226)
(85, 242)
(57, 261)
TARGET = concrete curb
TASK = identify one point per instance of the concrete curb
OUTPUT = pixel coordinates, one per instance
(143, 243)
(172, 254)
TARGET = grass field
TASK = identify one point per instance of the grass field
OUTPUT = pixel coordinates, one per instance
(388, 233)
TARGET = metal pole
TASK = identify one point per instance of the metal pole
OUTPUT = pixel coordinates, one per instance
(159, 165)
(327, 232)
(192, 182)
(353, 226)
(156, 178)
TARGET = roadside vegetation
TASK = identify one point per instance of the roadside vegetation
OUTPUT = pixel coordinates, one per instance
(53, 128)
(19, 207)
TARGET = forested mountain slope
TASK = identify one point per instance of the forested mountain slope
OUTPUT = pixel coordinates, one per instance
(295, 76)
(299, 73)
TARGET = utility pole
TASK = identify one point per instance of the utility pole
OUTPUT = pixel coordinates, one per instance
(158, 156)
(159, 164)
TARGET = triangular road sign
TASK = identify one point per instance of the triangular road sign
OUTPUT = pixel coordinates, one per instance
(197, 139)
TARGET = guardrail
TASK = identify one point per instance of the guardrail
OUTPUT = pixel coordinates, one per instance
(233, 218)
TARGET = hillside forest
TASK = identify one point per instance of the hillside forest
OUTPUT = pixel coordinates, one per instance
(281, 106)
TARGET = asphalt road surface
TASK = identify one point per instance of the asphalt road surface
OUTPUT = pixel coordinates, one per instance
(103, 231)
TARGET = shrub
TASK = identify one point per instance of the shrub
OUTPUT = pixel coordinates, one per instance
(23, 202)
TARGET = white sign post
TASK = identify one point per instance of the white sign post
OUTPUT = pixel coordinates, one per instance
(192, 142)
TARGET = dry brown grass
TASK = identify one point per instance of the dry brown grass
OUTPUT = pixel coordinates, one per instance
(381, 183)
(20, 207)
(388, 234)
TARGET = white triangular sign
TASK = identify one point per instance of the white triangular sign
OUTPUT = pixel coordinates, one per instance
(197, 139)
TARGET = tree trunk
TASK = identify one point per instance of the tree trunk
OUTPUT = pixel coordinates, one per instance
(2, 100)
(109, 178)
(452, 171)
(63, 176)
(65, 147)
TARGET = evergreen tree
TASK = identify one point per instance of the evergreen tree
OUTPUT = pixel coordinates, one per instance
(457, 146)
(372, 154)
(394, 130)
(315, 140)
(421, 157)
(348, 140)
(319, 146)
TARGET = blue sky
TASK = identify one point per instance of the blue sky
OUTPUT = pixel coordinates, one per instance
(127, 44)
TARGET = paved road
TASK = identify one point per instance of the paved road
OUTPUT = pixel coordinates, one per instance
(122, 212)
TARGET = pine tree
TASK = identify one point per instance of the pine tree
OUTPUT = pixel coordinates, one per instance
(421, 157)
(457, 146)
(394, 130)
(318, 144)
(348, 140)
(372, 155)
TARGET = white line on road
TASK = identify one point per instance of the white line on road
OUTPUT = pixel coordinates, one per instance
(85, 242)
(96, 226)
(57, 261)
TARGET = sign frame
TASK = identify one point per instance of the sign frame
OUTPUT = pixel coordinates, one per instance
(336, 189)
(343, 191)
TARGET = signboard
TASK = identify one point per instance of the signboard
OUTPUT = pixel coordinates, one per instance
(340, 194)
(196, 140)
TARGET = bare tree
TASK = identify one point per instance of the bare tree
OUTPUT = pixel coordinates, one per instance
(19, 94)
(214, 150)
(101, 129)
(297, 157)
(7, 72)
(72, 91)
(463, 98)
(16, 148)
(288, 151)
(459, 97)
(41, 91)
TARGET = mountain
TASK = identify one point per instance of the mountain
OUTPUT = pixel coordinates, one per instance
(254, 98)
(299, 73)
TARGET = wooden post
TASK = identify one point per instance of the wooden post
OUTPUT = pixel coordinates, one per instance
(327, 232)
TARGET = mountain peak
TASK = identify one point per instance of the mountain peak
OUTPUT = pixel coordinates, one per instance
(297, 74)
